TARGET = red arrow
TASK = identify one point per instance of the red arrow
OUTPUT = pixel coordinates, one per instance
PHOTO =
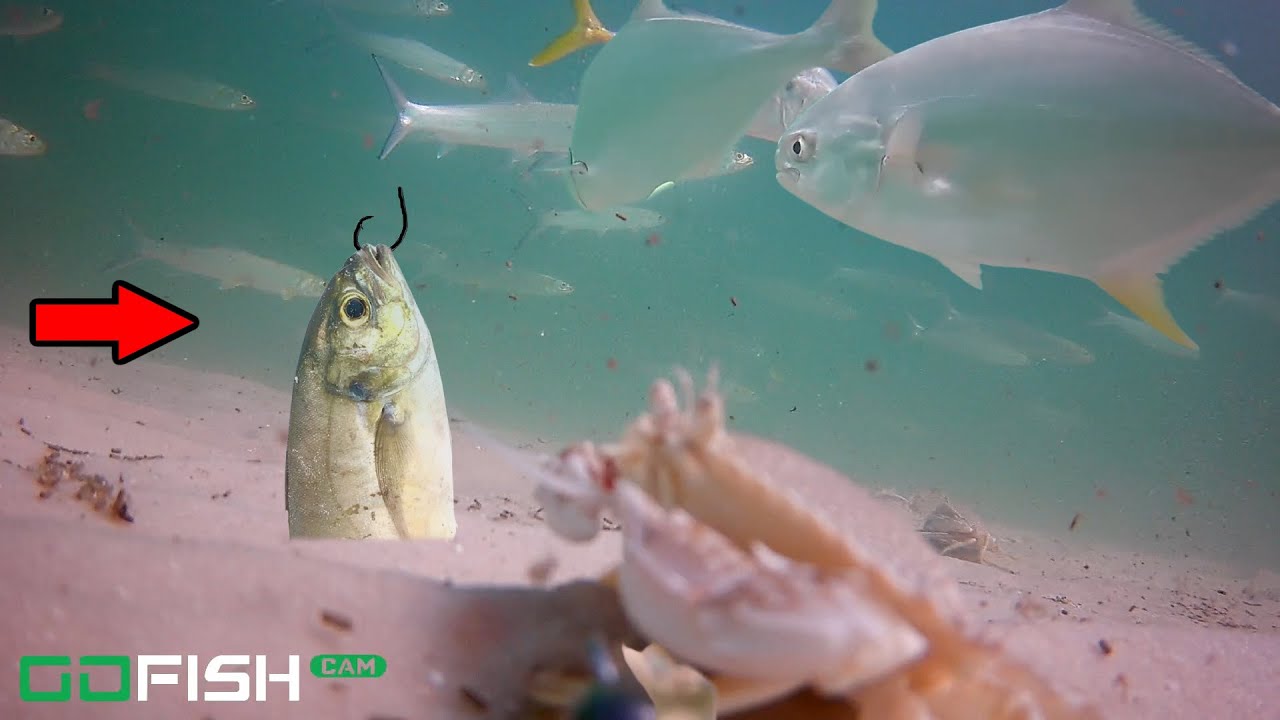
(133, 322)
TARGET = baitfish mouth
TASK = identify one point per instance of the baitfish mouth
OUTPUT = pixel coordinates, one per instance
(379, 261)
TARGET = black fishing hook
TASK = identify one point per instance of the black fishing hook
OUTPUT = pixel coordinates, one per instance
(404, 223)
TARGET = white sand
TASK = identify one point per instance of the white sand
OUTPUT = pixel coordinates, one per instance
(200, 572)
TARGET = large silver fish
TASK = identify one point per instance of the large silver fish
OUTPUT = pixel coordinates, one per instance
(770, 119)
(1085, 140)
(668, 94)
(369, 452)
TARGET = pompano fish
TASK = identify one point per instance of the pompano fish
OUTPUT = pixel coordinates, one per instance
(668, 94)
(231, 267)
(1145, 334)
(769, 121)
(174, 86)
(1085, 140)
(524, 126)
(17, 140)
(413, 55)
(369, 453)
(19, 21)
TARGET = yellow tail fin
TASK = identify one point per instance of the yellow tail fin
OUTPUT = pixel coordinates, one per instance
(1144, 297)
(587, 30)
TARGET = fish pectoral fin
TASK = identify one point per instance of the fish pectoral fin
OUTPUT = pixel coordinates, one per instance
(969, 272)
(901, 149)
(1143, 294)
(405, 480)
(587, 30)
(444, 149)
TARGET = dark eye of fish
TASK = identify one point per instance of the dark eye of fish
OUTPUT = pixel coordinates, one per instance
(797, 147)
(354, 308)
(359, 391)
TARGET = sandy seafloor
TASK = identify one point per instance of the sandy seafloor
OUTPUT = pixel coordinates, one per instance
(207, 568)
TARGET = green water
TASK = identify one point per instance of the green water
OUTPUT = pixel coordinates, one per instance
(727, 282)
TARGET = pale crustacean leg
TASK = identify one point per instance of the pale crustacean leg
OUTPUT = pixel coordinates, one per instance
(746, 614)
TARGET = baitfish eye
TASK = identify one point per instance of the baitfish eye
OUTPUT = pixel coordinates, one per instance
(31, 139)
(245, 99)
(802, 146)
(355, 310)
(46, 12)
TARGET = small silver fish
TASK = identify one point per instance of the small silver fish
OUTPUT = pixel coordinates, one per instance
(401, 8)
(17, 140)
(231, 267)
(414, 55)
(801, 91)
(174, 86)
(524, 126)
(1001, 341)
(1085, 140)
(624, 219)
(669, 94)
(20, 21)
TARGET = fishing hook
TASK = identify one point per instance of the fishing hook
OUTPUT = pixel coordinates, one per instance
(404, 223)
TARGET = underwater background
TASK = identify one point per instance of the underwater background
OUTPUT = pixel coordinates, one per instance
(1159, 452)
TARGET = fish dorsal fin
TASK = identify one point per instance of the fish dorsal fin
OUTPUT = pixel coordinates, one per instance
(515, 92)
(649, 9)
(1125, 13)
(901, 143)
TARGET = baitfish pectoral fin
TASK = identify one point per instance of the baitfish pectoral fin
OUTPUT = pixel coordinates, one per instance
(587, 30)
(1143, 295)
(419, 502)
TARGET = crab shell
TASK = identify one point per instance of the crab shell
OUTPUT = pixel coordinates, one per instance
(684, 460)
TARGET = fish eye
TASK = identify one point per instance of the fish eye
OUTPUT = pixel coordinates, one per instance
(802, 146)
(245, 99)
(46, 12)
(355, 310)
(31, 139)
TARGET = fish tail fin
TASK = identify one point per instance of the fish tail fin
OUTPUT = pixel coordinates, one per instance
(404, 118)
(144, 247)
(587, 30)
(855, 45)
(1143, 295)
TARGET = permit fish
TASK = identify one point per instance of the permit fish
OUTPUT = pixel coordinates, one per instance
(669, 94)
(414, 55)
(24, 21)
(769, 121)
(1085, 140)
(522, 125)
(1145, 334)
(231, 267)
(174, 86)
(369, 452)
(17, 140)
